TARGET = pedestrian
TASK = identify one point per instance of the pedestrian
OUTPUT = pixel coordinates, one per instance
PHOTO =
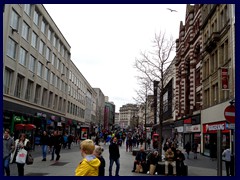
(89, 166)
(44, 142)
(179, 157)
(140, 159)
(70, 140)
(227, 158)
(194, 149)
(188, 148)
(8, 148)
(169, 159)
(114, 156)
(21, 143)
(153, 159)
(57, 144)
(98, 153)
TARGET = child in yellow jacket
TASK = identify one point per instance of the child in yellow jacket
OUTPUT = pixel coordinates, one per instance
(90, 164)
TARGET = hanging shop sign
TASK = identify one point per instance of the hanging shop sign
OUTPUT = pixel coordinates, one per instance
(224, 74)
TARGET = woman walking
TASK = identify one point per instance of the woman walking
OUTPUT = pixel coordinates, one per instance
(21, 143)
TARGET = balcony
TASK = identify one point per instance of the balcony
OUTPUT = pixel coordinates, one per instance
(211, 42)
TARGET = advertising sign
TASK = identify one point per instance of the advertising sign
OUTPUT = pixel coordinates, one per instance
(224, 75)
(84, 133)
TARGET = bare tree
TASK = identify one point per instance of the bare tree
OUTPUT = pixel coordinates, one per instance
(152, 66)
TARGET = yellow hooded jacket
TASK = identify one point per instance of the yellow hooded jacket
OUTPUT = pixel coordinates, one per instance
(88, 166)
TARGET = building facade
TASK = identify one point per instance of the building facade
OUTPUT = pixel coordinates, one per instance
(218, 32)
(188, 92)
(41, 85)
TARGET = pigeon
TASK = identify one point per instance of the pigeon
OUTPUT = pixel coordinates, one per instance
(172, 10)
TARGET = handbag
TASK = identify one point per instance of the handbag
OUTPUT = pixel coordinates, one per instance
(29, 159)
(21, 156)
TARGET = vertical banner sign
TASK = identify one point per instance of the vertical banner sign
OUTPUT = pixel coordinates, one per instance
(224, 74)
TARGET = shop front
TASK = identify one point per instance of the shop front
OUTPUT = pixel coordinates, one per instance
(210, 136)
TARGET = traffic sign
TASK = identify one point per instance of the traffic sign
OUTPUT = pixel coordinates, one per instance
(229, 114)
(230, 126)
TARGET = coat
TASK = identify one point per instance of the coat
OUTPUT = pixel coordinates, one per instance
(89, 166)
(27, 147)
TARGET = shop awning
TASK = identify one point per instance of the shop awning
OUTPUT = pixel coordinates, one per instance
(19, 126)
(30, 126)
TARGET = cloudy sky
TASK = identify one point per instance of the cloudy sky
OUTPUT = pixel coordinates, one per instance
(105, 39)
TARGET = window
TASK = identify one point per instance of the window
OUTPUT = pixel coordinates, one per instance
(57, 65)
(8, 75)
(34, 40)
(43, 27)
(60, 104)
(49, 34)
(25, 31)
(11, 49)
(44, 97)
(46, 74)
(55, 81)
(36, 17)
(32, 62)
(55, 102)
(39, 69)
(54, 41)
(29, 90)
(14, 20)
(51, 78)
(22, 56)
(37, 94)
(27, 9)
(19, 86)
(48, 54)
(41, 47)
(53, 58)
(50, 99)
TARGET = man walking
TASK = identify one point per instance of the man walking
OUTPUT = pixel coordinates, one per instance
(57, 143)
(8, 148)
(114, 156)
(227, 155)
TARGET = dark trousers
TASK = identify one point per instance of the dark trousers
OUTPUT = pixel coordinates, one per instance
(20, 169)
(228, 165)
(56, 150)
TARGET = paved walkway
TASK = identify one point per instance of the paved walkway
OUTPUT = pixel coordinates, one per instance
(69, 160)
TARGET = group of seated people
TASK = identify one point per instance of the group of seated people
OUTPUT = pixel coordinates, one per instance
(148, 163)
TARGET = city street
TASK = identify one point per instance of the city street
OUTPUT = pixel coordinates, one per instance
(70, 158)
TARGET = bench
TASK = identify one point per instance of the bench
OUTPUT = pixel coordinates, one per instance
(161, 169)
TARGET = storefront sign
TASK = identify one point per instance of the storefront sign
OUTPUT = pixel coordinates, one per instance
(196, 128)
(188, 121)
(214, 127)
(53, 118)
(59, 124)
(179, 129)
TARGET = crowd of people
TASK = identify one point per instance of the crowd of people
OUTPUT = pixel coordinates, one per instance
(93, 163)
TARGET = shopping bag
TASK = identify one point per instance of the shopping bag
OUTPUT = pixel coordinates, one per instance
(29, 159)
(152, 169)
(21, 156)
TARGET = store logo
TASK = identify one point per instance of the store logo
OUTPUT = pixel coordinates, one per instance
(215, 127)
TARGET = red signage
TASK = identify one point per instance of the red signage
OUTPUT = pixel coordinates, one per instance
(187, 121)
(229, 114)
(225, 79)
(214, 127)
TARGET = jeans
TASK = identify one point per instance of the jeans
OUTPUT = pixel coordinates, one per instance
(6, 167)
(44, 151)
(117, 166)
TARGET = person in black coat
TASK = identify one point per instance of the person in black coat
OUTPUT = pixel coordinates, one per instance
(114, 156)
(44, 142)
(188, 148)
(57, 143)
(98, 153)
(179, 157)
(140, 159)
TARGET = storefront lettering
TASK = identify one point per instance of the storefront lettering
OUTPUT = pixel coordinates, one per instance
(215, 127)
